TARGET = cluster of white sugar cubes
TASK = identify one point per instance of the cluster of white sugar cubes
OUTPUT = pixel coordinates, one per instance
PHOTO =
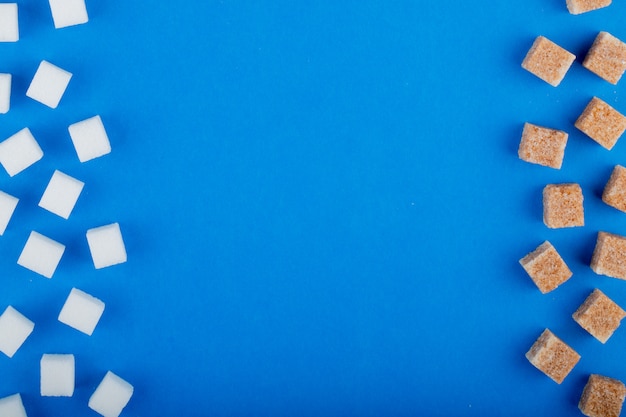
(90, 139)
(5, 93)
(111, 396)
(41, 254)
(49, 84)
(7, 207)
(14, 330)
(19, 152)
(9, 28)
(61, 194)
(12, 406)
(106, 245)
(68, 13)
(81, 311)
(57, 375)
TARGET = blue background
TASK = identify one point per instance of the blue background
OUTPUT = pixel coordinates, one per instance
(322, 205)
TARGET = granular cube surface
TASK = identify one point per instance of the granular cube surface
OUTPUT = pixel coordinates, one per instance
(57, 375)
(548, 61)
(90, 139)
(111, 396)
(19, 152)
(563, 206)
(599, 315)
(14, 330)
(615, 190)
(552, 356)
(545, 267)
(7, 207)
(609, 256)
(49, 84)
(607, 57)
(106, 245)
(602, 397)
(5, 93)
(583, 6)
(542, 146)
(68, 12)
(81, 311)
(601, 123)
(9, 28)
(61, 194)
(41, 254)
(12, 406)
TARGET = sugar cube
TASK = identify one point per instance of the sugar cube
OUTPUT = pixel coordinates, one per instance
(61, 194)
(19, 152)
(5, 93)
(9, 28)
(583, 6)
(542, 146)
(90, 139)
(607, 57)
(599, 315)
(41, 254)
(111, 396)
(615, 189)
(7, 207)
(545, 267)
(12, 406)
(81, 311)
(68, 12)
(106, 245)
(609, 255)
(602, 397)
(552, 356)
(601, 123)
(548, 61)
(563, 206)
(57, 375)
(14, 329)
(49, 84)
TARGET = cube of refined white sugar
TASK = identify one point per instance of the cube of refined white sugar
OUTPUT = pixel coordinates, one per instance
(81, 311)
(57, 375)
(90, 139)
(68, 12)
(7, 207)
(106, 245)
(5, 93)
(12, 406)
(111, 396)
(19, 152)
(41, 254)
(49, 84)
(61, 194)
(9, 28)
(14, 329)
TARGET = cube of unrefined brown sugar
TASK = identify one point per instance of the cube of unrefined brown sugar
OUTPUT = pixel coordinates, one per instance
(609, 256)
(599, 315)
(601, 123)
(552, 356)
(545, 267)
(563, 206)
(607, 57)
(615, 190)
(583, 6)
(542, 146)
(602, 397)
(548, 61)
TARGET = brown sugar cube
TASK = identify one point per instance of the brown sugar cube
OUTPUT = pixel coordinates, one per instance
(548, 61)
(609, 256)
(601, 123)
(607, 57)
(599, 315)
(546, 267)
(542, 146)
(615, 190)
(602, 397)
(563, 206)
(552, 356)
(582, 6)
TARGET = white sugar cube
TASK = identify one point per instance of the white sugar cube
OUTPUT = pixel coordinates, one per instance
(61, 194)
(90, 139)
(7, 207)
(19, 152)
(57, 375)
(14, 329)
(5, 93)
(12, 406)
(41, 254)
(106, 245)
(68, 12)
(9, 28)
(49, 84)
(81, 311)
(111, 396)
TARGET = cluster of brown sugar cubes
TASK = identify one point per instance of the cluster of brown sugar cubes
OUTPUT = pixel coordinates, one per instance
(563, 207)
